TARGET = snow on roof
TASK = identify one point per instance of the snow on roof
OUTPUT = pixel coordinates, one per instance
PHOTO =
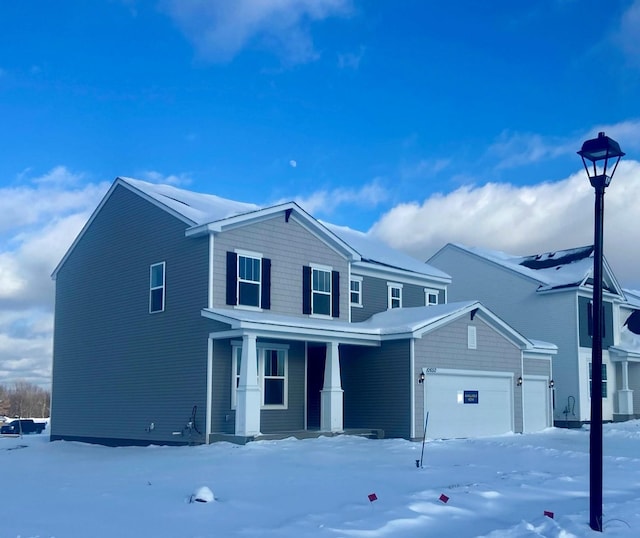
(389, 322)
(374, 251)
(556, 269)
(196, 207)
(633, 297)
(202, 209)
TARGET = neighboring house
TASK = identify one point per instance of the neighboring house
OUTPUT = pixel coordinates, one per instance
(187, 318)
(549, 296)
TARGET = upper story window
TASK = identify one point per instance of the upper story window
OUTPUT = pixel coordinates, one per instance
(156, 287)
(272, 364)
(355, 291)
(320, 291)
(248, 279)
(430, 297)
(394, 295)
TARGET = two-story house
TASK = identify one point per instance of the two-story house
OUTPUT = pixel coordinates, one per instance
(549, 296)
(186, 318)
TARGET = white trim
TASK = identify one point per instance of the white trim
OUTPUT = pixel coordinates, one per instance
(472, 337)
(359, 280)
(208, 411)
(412, 387)
(431, 291)
(390, 287)
(211, 271)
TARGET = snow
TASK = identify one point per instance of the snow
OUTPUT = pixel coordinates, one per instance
(496, 487)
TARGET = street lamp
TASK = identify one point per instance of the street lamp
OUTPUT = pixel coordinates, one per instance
(602, 154)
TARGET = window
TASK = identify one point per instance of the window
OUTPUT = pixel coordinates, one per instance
(395, 295)
(248, 279)
(272, 374)
(355, 291)
(320, 291)
(430, 297)
(156, 287)
(604, 380)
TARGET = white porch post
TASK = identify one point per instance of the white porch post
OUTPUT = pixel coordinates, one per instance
(332, 395)
(248, 392)
(625, 396)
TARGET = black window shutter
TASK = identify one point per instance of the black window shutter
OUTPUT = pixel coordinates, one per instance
(265, 300)
(232, 278)
(335, 294)
(306, 289)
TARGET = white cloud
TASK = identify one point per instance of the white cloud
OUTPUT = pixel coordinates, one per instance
(627, 35)
(172, 179)
(39, 218)
(524, 220)
(293, 164)
(220, 29)
(351, 60)
(327, 201)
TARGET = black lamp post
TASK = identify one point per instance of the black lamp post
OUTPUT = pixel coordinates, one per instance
(603, 154)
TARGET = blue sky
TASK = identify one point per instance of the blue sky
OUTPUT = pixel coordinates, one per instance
(421, 122)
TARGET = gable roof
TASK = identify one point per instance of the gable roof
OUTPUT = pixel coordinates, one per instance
(206, 213)
(554, 270)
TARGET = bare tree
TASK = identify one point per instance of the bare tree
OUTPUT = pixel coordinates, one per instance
(24, 399)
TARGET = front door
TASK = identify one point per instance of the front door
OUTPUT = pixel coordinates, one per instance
(315, 381)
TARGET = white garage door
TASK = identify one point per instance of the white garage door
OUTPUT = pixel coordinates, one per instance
(536, 403)
(468, 404)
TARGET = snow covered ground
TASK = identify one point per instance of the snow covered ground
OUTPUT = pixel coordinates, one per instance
(496, 487)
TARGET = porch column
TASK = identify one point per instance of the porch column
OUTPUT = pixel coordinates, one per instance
(248, 392)
(624, 395)
(332, 395)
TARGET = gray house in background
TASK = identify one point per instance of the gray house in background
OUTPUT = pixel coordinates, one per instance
(548, 296)
(186, 318)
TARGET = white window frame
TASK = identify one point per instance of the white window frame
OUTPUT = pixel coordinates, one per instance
(153, 288)
(261, 348)
(605, 379)
(323, 269)
(390, 298)
(358, 280)
(427, 293)
(254, 256)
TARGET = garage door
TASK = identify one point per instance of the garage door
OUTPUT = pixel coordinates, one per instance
(536, 403)
(468, 404)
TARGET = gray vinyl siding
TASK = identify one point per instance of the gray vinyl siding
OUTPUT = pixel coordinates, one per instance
(290, 246)
(375, 297)
(447, 348)
(116, 367)
(537, 367)
(376, 383)
(634, 385)
(271, 420)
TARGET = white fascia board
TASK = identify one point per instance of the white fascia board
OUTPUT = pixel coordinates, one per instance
(397, 274)
(290, 331)
(296, 213)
